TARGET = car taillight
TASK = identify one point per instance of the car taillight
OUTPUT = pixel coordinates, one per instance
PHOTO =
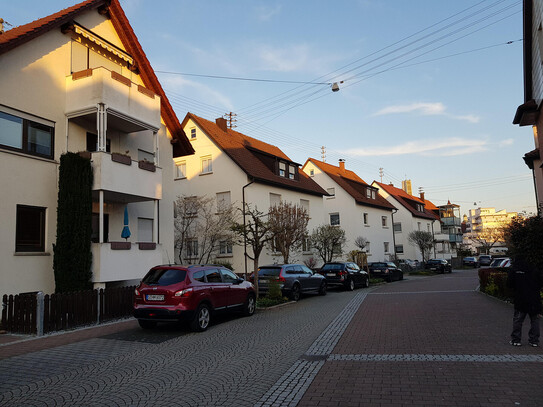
(281, 278)
(183, 293)
(342, 273)
(386, 271)
(136, 292)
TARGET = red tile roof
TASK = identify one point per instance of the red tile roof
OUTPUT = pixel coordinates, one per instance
(352, 184)
(408, 201)
(250, 155)
(24, 33)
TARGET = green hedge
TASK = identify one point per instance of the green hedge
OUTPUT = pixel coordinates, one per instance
(494, 282)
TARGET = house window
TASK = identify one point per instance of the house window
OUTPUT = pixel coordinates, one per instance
(181, 169)
(311, 172)
(370, 193)
(25, 135)
(367, 247)
(399, 248)
(30, 229)
(386, 246)
(428, 227)
(384, 221)
(192, 248)
(306, 244)
(334, 219)
(92, 143)
(291, 171)
(206, 165)
(225, 247)
(145, 230)
(366, 219)
(223, 201)
(192, 133)
(397, 227)
(420, 207)
(275, 199)
(95, 236)
(191, 206)
(418, 225)
(282, 169)
(304, 203)
(331, 192)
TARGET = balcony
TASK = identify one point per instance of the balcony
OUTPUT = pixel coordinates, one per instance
(131, 107)
(125, 183)
(454, 238)
(109, 264)
(451, 221)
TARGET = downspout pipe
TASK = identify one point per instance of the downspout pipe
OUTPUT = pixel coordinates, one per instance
(244, 226)
(393, 233)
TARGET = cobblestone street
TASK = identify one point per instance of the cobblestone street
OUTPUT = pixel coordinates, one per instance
(422, 341)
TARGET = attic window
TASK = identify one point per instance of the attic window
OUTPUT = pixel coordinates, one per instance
(193, 133)
(420, 207)
(291, 171)
(282, 169)
(370, 193)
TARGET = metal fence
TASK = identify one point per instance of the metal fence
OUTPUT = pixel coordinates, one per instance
(36, 313)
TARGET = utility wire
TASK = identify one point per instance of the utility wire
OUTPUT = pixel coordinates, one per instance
(243, 79)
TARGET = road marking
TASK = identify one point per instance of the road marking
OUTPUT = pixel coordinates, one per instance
(424, 292)
(437, 358)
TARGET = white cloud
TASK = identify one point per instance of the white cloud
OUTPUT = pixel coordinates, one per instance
(267, 13)
(449, 147)
(425, 109)
(506, 142)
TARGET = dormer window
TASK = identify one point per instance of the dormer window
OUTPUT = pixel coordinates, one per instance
(370, 193)
(420, 207)
(282, 169)
(291, 171)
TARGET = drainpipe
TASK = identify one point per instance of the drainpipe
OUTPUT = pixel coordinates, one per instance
(244, 226)
(434, 238)
(393, 234)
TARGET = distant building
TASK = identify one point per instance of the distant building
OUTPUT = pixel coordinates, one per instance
(484, 227)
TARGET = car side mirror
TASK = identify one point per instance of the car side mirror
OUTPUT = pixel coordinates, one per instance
(239, 280)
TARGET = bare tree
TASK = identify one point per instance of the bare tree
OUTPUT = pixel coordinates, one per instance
(423, 240)
(288, 223)
(361, 242)
(488, 237)
(255, 233)
(200, 228)
(328, 241)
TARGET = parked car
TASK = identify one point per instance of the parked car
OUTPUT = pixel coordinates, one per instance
(192, 294)
(501, 262)
(407, 264)
(441, 265)
(485, 260)
(345, 274)
(294, 280)
(386, 270)
(470, 261)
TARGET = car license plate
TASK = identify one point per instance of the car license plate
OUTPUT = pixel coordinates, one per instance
(433, 268)
(155, 297)
(331, 274)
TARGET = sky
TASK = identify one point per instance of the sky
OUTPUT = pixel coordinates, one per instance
(428, 89)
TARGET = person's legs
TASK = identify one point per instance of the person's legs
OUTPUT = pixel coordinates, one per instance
(518, 319)
(533, 334)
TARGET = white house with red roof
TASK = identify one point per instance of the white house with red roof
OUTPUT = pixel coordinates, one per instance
(234, 168)
(78, 80)
(413, 214)
(356, 207)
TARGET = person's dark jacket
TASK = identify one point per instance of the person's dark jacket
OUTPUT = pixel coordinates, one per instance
(526, 281)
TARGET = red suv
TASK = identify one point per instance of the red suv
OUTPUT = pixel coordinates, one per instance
(193, 294)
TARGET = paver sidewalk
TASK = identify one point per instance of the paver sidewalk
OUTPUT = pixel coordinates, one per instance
(432, 341)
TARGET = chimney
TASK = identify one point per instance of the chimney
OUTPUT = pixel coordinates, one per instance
(422, 196)
(1, 26)
(221, 122)
(341, 165)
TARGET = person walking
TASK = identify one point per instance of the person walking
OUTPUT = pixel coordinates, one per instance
(526, 281)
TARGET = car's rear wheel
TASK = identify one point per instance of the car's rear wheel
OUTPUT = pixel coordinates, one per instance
(322, 289)
(146, 324)
(201, 319)
(250, 306)
(366, 282)
(295, 293)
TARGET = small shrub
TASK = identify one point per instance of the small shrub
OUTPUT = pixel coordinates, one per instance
(311, 263)
(274, 291)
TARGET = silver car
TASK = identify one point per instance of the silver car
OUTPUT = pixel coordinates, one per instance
(294, 280)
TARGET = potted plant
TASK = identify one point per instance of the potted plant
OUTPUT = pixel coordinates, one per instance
(121, 158)
(146, 165)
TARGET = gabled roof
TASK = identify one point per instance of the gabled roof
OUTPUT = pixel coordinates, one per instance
(406, 200)
(248, 154)
(352, 184)
(22, 34)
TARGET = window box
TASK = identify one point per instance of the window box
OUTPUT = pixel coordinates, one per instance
(147, 165)
(121, 245)
(121, 158)
(146, 246)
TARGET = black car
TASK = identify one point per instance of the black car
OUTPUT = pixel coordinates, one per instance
(385, 270)
(345, 274)
(470, 261)
(440, 265)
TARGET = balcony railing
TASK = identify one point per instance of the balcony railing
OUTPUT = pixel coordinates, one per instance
(125, 179)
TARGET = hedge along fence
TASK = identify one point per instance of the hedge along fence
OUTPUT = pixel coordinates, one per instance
(36, 313)
(494, 282)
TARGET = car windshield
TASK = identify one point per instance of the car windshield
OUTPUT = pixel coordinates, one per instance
(164, 276)
(328, 267)
(434, 261)
(378, 265)
(269, 271)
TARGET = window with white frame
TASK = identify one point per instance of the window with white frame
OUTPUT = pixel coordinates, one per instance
(275, 199)
(334, 219)
(366, 219)
(223, 201)
(225, 247)
(418, 225)
(282, 169)
(304, 203)
(420, 207)
(384, 221)
(399, 248)
(181, 169)
(207, 167)
(386, 246)
(367, 247)
(192, 248)
(428, 226)
(20, 132)
(291, 171)
(193, 133)
(306, 244)
(145, 230)
(397, 227)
